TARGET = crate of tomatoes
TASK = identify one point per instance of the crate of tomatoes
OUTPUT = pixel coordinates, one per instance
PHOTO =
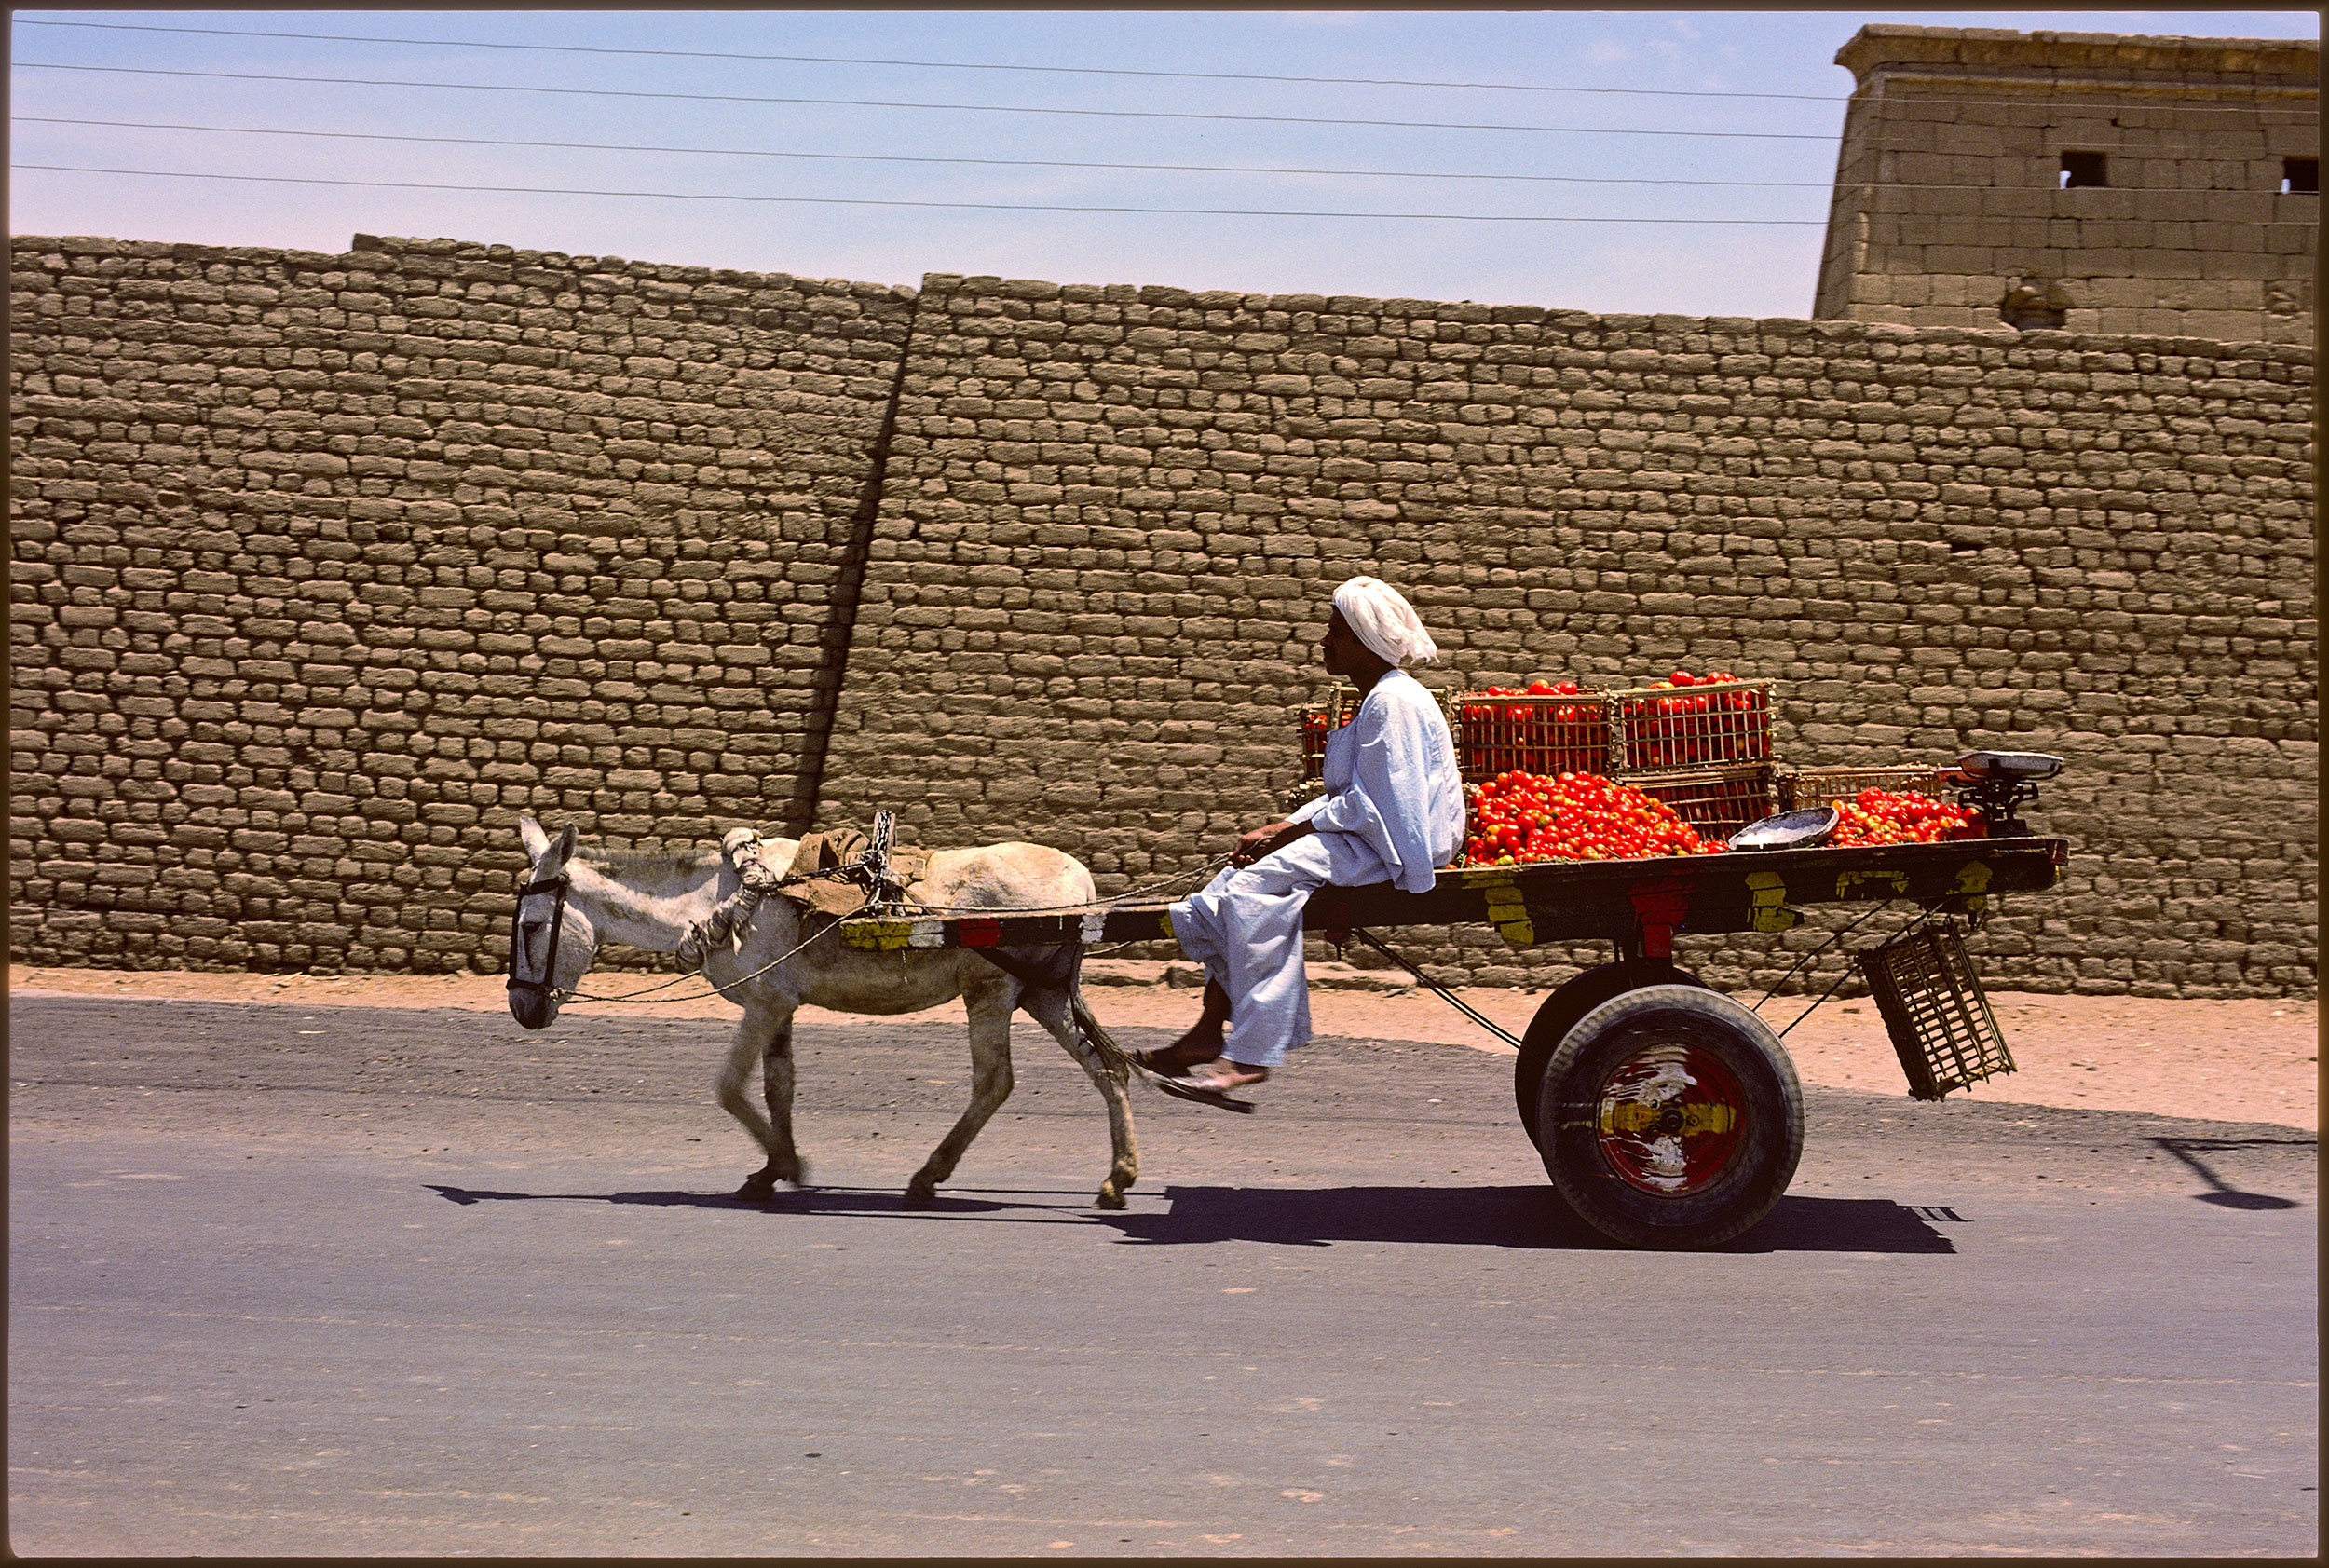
(1801, 788)
(1691, 721)
(1547, 727)
(1560, 726)
(1717, 802)
(1319, 721)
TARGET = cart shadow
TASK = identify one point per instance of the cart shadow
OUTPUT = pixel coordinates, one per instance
(1529, 1218)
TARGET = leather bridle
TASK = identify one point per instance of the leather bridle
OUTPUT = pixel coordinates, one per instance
(558, 884)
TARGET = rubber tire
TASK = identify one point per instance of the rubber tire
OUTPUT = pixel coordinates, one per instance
(1568, 1112)
(1573, 1000)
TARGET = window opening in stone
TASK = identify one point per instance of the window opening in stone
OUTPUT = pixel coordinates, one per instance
(2300, 176)
(2083, 169)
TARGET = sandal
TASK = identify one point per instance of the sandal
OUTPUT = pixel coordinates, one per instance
(1180, 1088)
(1223, 1074)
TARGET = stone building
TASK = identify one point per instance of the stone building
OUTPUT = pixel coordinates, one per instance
(2091, 182)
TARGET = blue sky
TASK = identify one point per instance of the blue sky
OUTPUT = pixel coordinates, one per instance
(1727, 115)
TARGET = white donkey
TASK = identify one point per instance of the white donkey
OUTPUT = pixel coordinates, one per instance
(577, 898)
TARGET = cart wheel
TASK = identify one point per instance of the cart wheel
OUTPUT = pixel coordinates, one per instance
(1573, 1000)
(1671, 1118)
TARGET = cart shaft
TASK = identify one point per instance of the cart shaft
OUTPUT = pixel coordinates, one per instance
(1639, 904)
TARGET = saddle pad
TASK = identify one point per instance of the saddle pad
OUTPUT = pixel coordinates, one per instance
(827, 851)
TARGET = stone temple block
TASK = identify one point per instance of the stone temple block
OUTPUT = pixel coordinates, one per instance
(2077, 181)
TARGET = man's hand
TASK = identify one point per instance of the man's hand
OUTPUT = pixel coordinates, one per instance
(1261, 840)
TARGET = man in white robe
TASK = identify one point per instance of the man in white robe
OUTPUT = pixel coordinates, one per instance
(1393, 811)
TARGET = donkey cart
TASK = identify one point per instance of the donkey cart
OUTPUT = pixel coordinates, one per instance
(1667, 1114)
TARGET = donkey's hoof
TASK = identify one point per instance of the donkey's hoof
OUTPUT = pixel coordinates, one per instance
(921, 1194)
(759, 1187)
(1108, 1198)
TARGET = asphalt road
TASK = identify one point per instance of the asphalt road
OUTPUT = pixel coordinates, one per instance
(351, 1281)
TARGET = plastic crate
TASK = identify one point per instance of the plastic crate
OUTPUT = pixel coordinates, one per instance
(1657, 728)
(1801, 787)
(1569, 733)
(1933, 1008)
(1320, 721)
(1717, 802)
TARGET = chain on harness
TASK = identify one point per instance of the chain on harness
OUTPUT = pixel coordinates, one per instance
(733, 916)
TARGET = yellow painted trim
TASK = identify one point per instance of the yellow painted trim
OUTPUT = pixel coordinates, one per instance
(1767, 902)
(1846, 882)
(879, 936)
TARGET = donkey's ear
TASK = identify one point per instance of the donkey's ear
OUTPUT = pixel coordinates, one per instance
(531, 831)
(566, 841)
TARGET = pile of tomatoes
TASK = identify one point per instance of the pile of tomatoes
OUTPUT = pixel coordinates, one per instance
(1518, 818)
(1884, 817)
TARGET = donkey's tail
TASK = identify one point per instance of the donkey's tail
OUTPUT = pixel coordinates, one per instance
(1117, 1059)
(1062, 969)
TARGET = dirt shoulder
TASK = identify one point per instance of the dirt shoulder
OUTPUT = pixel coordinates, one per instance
(2255, 1060)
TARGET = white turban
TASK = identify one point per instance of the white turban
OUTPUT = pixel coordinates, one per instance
(1383, 621)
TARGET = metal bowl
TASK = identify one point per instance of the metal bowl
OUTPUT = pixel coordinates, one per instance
(1788, 830)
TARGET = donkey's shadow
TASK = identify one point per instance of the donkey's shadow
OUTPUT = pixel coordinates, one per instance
(1529, 1218)
(837, 1201)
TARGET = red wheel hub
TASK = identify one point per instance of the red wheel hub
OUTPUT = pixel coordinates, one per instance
(1671, 1118)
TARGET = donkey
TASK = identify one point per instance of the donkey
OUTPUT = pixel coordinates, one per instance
(578, 897)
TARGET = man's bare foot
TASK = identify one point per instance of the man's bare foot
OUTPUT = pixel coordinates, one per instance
(1203, 1042)
(1223, 1074)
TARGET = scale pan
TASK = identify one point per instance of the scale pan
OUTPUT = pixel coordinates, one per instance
(1788, 830)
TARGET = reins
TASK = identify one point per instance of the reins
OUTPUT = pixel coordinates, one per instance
(641, 997)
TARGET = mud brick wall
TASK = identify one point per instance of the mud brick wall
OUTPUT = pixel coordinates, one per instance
(1112, 517)
(325, 566)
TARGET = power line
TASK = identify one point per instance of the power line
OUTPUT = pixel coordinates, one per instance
(1059, 163)
(868, 201)
(924, 64)
(1048, 69)
(905, 158)
(891, 104)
